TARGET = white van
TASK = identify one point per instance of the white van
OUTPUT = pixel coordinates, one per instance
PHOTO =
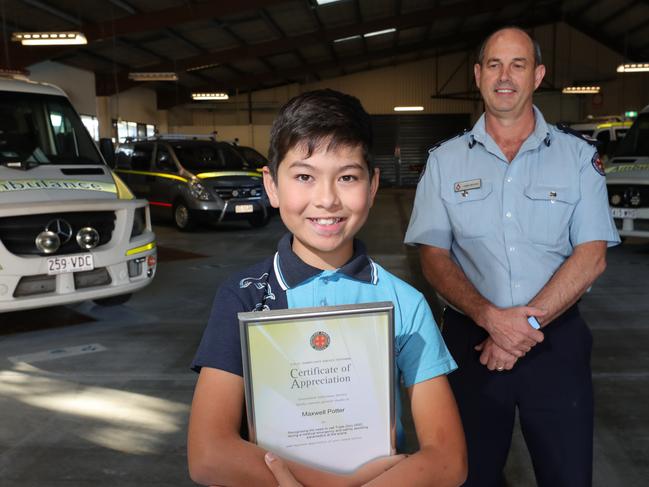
(608, 134)
(70, 229)
(627, 180)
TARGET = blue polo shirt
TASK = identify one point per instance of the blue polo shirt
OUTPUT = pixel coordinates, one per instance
(285, 281)
(511, 225)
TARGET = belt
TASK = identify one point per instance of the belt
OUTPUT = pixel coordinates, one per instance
(448, 308)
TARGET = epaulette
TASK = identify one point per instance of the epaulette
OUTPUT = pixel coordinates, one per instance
(444, 141)
(567, 130)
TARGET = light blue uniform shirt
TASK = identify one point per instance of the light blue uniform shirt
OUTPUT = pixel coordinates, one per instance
(510, 225)
(419, 350)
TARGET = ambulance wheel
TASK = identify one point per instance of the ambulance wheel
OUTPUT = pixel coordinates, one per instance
(113, 300)
(182, 217)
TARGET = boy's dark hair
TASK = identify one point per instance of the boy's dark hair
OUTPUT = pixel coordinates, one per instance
(316, 117)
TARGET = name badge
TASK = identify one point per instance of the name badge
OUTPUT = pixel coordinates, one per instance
(467, 185)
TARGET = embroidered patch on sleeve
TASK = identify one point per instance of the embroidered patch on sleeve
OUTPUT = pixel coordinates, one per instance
(598, 164)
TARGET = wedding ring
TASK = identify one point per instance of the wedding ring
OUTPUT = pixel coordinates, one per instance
(500, 369)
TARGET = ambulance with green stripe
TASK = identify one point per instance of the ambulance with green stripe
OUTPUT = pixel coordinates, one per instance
(70, 229)
(627, 180)
(194, 179)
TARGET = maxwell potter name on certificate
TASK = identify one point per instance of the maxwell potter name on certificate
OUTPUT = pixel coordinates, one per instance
(319, 383)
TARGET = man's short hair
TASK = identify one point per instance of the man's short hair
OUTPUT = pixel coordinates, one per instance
(538, 60)
(320, 117)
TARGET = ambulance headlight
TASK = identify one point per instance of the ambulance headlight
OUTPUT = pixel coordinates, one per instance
(48, 242)
(87, 238)
(632, 196)
(199, 191)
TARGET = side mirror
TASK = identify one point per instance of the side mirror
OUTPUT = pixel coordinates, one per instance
(108, 151)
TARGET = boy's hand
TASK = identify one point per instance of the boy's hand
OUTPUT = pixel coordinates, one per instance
(362, 475)
(281, 472)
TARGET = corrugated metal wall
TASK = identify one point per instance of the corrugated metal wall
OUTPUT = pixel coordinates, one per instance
(401, 143)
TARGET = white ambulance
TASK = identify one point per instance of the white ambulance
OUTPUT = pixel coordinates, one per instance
(70, 229)
(608, 132)
(627, 180)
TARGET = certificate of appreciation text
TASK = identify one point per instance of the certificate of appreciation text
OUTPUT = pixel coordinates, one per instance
(319, 383)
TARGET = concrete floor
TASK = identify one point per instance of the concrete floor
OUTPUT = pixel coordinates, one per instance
(93, 396)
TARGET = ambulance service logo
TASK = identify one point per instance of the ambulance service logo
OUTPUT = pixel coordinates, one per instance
(320, 341)
(598, 164)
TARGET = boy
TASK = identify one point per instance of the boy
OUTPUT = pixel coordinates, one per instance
(321, 178)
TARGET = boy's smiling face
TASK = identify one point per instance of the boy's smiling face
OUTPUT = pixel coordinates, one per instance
(323, 200)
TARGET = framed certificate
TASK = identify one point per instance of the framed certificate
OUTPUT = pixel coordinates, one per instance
(319, 383)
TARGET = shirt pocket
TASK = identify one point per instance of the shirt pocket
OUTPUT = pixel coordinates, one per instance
(468, 211)
(550, 209)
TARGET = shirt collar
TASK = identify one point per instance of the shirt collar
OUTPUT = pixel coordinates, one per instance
(541, 130)
(540, 134)
(291, 270)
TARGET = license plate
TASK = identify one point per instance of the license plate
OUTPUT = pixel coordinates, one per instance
(623, 212)
(243, 209)
(70, 263)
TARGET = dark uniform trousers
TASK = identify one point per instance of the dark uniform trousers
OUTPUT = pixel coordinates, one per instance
(551, 387)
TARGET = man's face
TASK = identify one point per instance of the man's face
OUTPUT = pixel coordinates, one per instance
(508, 76)
(323, 200)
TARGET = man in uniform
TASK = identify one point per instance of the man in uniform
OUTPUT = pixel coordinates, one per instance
(512, 223)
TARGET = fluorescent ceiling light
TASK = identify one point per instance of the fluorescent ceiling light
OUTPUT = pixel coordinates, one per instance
(325, 2)
(203, 66)
(369, 34)
(153, 76)
(350, 38)
(409, 109)
(210, 96)
(580, 90)
(380, 32)
(633, 68)
(49, 38)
